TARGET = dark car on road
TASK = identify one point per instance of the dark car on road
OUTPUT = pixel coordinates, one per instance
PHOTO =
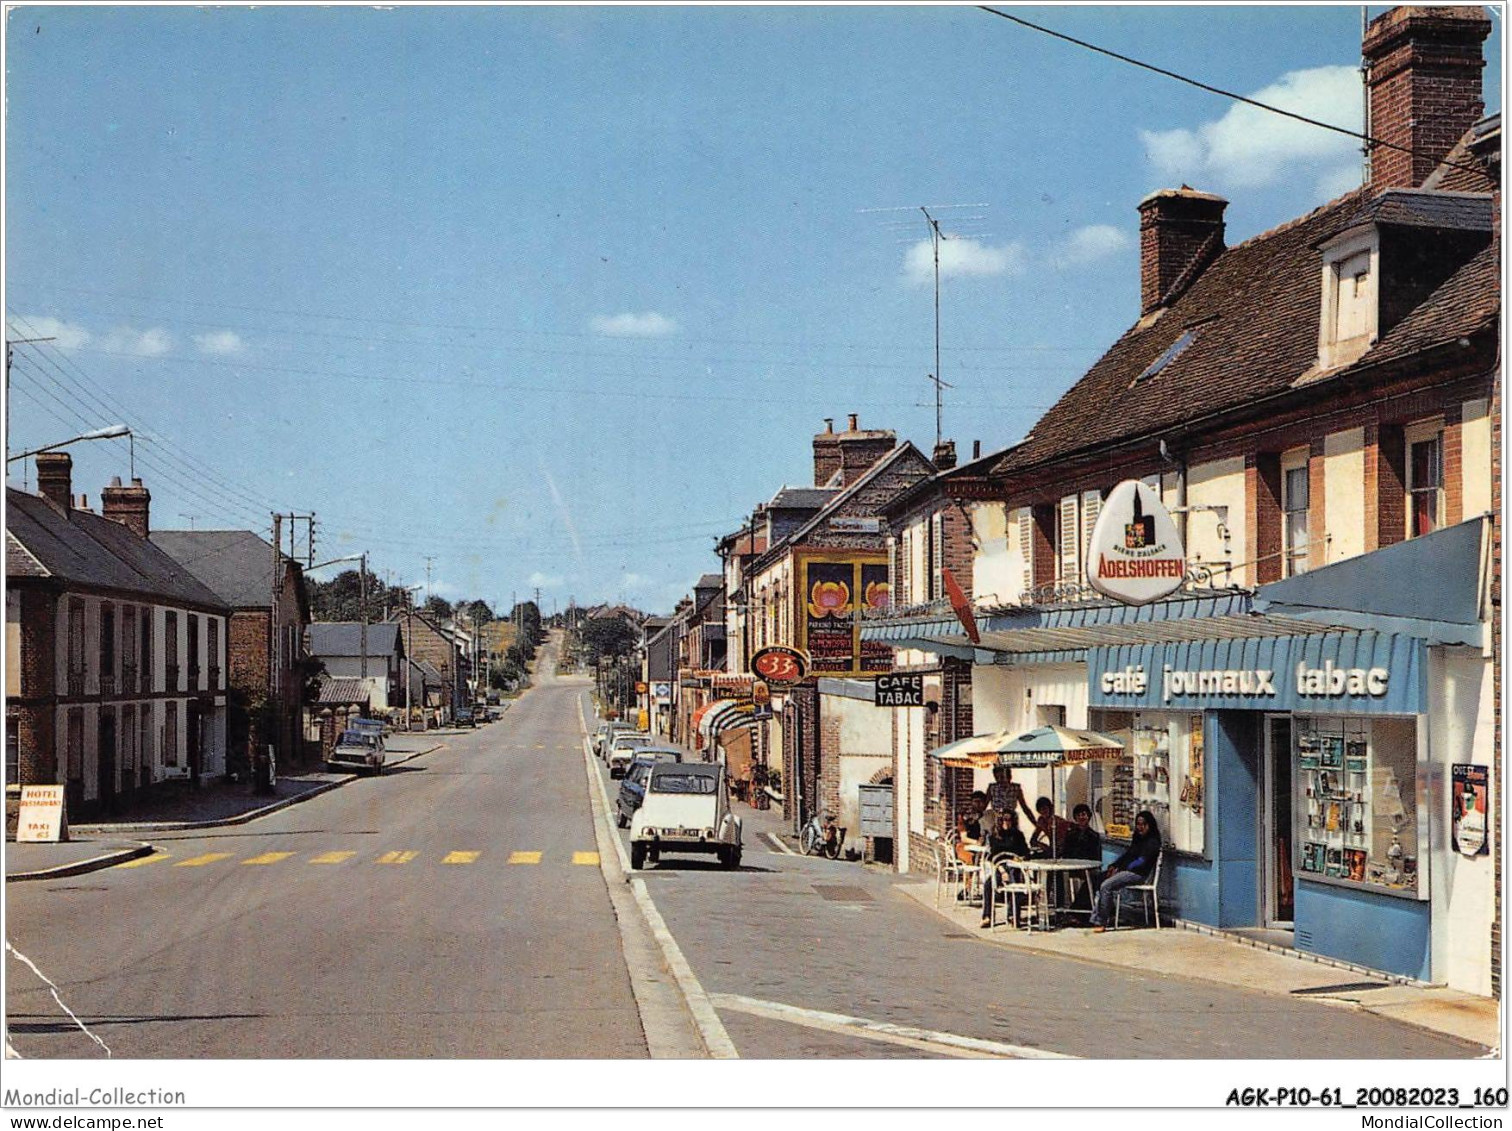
(633, 789)
(463, 717)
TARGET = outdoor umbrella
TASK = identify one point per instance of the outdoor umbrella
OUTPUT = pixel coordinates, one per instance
(1058, 746)
(979, 752)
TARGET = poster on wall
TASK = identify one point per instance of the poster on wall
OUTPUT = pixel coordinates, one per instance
(1472, 805)
(829, 616)
(876, 601)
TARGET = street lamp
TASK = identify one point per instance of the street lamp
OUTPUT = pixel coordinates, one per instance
(113, 432)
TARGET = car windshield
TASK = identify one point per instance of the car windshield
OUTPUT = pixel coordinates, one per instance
(631, 740)
(357, 738)
(683, 783)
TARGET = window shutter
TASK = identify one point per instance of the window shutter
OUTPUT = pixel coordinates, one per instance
(937, 556)
(1026, 546)
(1068, 542)
(1091, 502)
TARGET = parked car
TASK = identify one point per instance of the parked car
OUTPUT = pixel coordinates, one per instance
(463, 717)
(633, 789)
(686, 809)
(358, 749)
(605, 735)
(622, 748)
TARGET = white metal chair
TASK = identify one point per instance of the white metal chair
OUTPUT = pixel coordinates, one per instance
(1009, 891)
(1149, 892)
(948, 870)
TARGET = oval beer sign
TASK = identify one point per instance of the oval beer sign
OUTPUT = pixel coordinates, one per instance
(780, 664)
(1135, 554)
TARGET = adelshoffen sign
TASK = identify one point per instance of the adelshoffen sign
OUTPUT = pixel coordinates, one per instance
(1135, 554)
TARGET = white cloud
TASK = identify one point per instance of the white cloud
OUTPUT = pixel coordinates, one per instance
(962, 256)
(1249, 147)
(634, 581)
(154, 342)
(1089, 244)
(539, 580)
(69, 336)
(219, 342)
(627, 325)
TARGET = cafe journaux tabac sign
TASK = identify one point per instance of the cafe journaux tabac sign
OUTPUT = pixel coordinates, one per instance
(1135, 553)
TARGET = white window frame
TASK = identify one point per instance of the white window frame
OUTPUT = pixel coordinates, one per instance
(1422, 432)
(1296, 460)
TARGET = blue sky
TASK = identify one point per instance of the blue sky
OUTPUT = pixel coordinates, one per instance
(554, 295)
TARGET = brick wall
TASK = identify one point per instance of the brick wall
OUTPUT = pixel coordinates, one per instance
(1496, 680)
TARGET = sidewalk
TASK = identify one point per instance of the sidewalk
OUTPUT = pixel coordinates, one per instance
(103, 844)
(1189, 952)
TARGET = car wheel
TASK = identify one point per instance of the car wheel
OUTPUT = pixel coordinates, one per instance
(621, 820)
(637, 855)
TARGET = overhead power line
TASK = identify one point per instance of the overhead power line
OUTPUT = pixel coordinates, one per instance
(1358, 135)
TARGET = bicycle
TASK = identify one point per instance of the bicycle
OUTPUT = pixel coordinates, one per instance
(822, 836)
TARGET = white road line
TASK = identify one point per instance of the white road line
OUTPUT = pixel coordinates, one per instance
(777, 846)
(57, 999)
(947, 1044)
(710, 1029)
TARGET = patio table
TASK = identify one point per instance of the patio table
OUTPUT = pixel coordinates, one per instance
(1047, 866)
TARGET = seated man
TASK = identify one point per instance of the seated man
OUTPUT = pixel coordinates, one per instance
(1082, 843)
(1005, 840)
(1050, 830)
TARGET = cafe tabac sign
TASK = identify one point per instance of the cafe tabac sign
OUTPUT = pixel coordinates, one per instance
(1135, 555)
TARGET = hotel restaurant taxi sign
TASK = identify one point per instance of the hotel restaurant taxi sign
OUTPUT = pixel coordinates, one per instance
(1135, 553)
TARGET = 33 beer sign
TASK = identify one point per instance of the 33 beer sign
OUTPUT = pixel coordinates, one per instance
(780, 664)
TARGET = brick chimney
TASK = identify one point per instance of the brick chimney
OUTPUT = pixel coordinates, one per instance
(55, 479)
(945, 455)
(127, 505)
(1425, 87)
(826, 453)
(1177, 228)
(862, 447)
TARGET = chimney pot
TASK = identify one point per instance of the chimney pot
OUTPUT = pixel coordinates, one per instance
(976, 449)
(55, 479)
(853, 422)
(829, 425)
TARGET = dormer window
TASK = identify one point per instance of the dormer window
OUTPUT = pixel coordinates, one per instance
(1349, 319)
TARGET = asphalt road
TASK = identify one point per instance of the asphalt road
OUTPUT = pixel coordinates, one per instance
(451, 908)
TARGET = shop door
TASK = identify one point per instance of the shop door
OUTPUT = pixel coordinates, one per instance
(1276, 838)
(107, 760)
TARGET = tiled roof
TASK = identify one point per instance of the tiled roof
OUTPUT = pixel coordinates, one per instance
(709, 581)
(344, 638)
(1461, 168)
(1253, 319)
(802, 498)
(19, 561)
(90, 550)
(1416, 208)
(236, 564)
(343, 690)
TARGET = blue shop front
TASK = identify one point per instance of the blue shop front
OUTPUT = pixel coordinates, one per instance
(1322, 784)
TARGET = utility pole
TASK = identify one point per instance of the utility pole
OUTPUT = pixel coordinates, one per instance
(275, 685)
(10, 351)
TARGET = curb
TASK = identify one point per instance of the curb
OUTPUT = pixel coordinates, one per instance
(93, 864)
(244, 818)
(711, 1031)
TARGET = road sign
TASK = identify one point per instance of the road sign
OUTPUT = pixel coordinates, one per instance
(899, 690)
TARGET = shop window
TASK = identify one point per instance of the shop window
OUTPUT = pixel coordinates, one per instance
(1294, 510)
(1425, 485)
(1356, 802)
(1162, 771)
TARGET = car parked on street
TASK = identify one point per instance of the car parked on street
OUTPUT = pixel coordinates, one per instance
(605, 735)
(633, 788)
(359, 750)
(686, 809)
(463, 717)
(622, 748)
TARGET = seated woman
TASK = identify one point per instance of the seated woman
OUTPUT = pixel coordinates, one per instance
(969, 826)
(1005, 840)
(1133, 867)
(1050, 830)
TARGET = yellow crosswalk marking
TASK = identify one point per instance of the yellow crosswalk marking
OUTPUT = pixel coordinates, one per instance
(331, 857)
(524, 857)
(206, 858)
(141, 861)
(585, 858)
(268, 858)
(461, 857)
(396, 857)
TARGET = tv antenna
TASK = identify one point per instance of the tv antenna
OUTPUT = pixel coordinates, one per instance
(937, 235)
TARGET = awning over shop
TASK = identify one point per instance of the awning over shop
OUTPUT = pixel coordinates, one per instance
(722, 715)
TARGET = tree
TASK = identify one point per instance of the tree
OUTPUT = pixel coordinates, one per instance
(438, 607)
(477, 611)
(607, 637)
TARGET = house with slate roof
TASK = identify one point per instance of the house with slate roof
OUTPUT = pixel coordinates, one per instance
(372, 653)
(265, 650)
(115, 653)
(1311, 716)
